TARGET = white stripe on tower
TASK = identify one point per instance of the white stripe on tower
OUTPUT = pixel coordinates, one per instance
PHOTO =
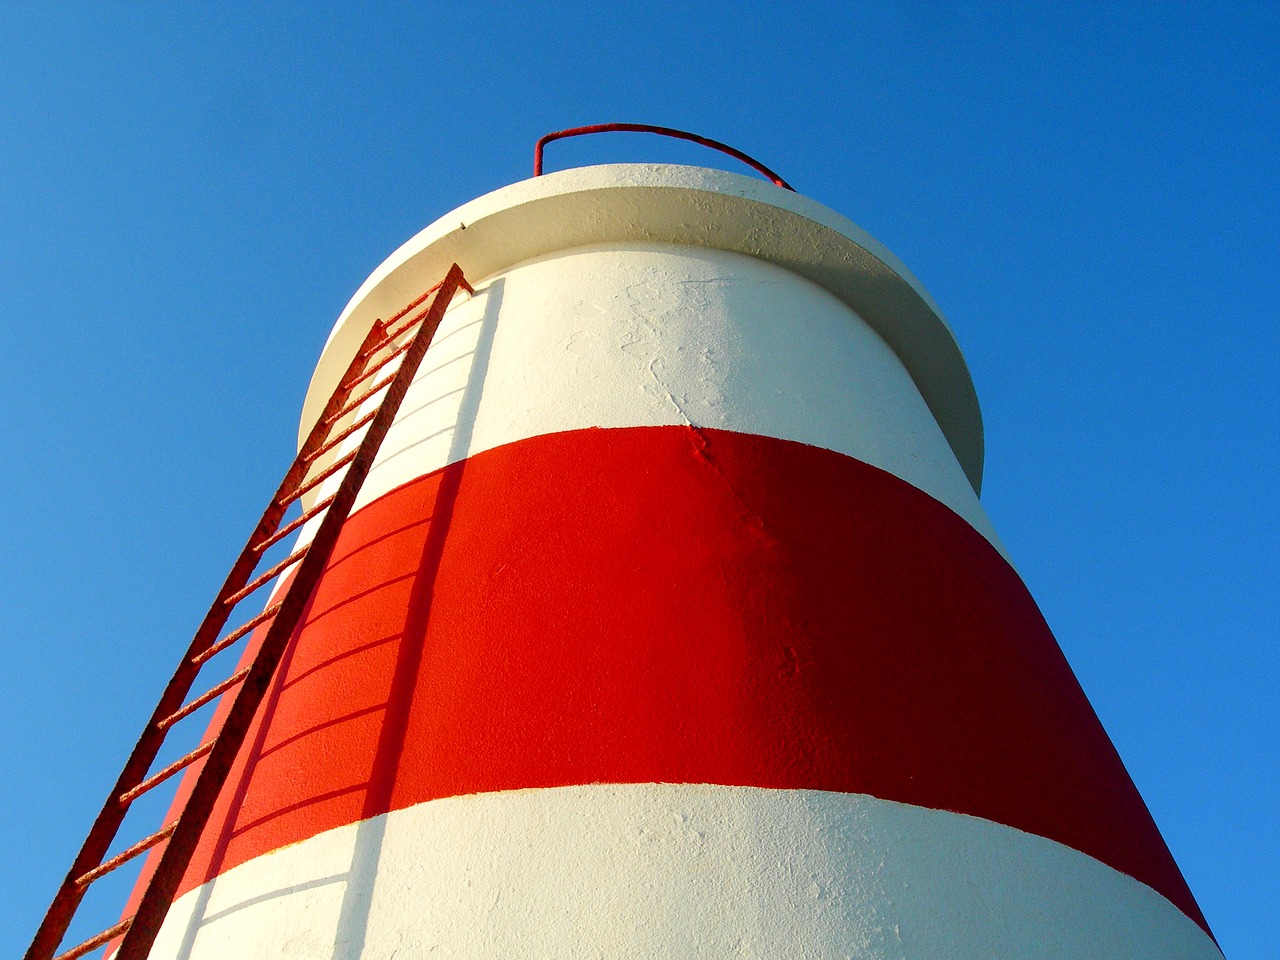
(669, 622)
(666, 870)
(653, 335)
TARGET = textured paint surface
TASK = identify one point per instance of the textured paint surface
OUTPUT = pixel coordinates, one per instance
(674, 605)
(660, 870)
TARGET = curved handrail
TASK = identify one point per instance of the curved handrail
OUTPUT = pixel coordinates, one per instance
(755, 165)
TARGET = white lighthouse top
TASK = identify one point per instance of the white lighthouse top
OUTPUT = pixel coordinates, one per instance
(693, 206)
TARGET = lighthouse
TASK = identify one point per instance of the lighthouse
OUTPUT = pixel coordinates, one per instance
(668, 623)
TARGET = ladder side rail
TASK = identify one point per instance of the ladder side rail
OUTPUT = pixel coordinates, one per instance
(105, 826)
(176, 856)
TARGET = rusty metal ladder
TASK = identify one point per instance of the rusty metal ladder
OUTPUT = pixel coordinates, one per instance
(386, 342)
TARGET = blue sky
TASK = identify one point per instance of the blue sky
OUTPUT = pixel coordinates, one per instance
(190, 194)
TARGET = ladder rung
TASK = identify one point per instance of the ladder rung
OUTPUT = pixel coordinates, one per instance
(321, 477)
(213, 694)
(154, 781)
(405, 327)
(409, 308)
(355, 402)
(94, 942)
(235, 635)
(292, 525)
(334, 441)
(266, 577)
(370, 371)
(120, 859)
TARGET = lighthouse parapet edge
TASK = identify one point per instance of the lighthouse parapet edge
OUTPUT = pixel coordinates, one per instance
(669, 623)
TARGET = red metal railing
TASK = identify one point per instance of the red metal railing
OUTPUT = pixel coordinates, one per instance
(280, 619)
(754, 164)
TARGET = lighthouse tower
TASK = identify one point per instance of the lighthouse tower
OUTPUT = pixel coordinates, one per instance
(668, 624)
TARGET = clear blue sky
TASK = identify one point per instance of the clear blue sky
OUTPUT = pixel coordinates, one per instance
(189, 195)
